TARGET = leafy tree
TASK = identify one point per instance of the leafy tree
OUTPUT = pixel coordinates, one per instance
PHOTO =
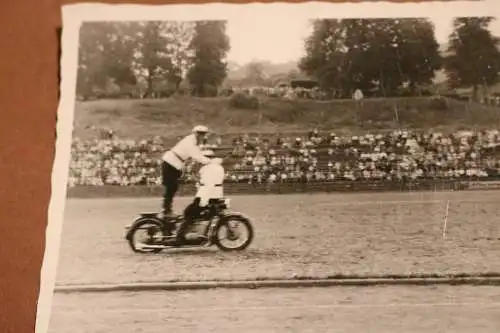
(325, 53)
(161, 52)
(209, 47)
(367, 54)
(420, 55)
(255, 74)
(105, 54)
(128, 53)
(180, 35)
(473, 56)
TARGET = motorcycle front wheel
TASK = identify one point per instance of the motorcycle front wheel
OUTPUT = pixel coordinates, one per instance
(237, 230)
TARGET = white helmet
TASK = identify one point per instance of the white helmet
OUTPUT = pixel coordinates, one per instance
(200, 129)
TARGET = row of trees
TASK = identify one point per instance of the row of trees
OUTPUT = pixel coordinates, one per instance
(154, 55)
(390, 54)
(384, 55)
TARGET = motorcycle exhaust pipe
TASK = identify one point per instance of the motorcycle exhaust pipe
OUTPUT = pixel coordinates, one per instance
(152, 247)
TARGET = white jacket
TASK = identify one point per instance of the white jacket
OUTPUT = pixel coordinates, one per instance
(211, 182)
(183, 150)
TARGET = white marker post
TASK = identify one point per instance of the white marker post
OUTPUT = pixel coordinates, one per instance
(446, 218)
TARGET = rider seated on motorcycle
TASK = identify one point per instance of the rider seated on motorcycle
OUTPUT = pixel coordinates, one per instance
(210, 190)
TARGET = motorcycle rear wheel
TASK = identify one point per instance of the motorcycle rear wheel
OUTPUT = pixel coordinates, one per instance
(155, 232)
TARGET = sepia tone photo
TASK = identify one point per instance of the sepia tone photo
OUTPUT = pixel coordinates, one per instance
(277, 169)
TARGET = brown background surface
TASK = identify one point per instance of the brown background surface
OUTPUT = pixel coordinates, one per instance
(28, 103)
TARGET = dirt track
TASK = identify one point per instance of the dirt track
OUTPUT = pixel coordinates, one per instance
(314, 235)
(374, 310)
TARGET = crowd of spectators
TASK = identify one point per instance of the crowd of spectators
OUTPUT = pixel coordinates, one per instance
(286, 92)
(397, 155)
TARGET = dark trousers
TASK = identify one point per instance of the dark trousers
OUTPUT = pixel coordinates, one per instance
(170, 180)
(192, 212)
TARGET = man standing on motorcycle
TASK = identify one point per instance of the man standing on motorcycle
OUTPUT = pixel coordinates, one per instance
(174, 161)
(210, 189)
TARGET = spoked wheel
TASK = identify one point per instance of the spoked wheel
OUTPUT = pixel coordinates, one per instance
(234, 234)
(146, 237)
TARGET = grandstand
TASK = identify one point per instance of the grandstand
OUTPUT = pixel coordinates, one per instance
(311, 157)
(449, 140)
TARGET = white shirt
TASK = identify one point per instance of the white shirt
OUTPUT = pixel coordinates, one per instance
(183, 150)
(211, 180)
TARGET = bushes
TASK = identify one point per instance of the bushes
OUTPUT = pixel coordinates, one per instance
(438, 103)
(241, 100)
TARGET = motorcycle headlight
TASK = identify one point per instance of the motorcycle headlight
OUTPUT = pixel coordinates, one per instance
(227, 202)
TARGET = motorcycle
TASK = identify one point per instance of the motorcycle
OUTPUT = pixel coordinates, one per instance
(208, 229)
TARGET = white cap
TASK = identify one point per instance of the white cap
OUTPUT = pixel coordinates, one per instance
(200, 129)
(208, 153)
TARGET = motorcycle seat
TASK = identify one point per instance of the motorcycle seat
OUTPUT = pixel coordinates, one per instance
(149, 214)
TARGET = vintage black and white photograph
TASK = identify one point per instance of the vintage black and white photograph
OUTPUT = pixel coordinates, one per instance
(276, 168)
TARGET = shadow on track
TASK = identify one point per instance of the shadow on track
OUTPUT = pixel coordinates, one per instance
(214, 253)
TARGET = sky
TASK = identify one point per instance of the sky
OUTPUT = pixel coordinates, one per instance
(282, 40)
